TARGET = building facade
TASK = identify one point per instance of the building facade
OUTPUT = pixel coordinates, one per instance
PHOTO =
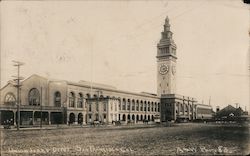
(45, 101)
(61, 102)
(177, 108)
(204, 112)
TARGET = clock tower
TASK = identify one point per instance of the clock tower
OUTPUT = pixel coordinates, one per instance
(166, 62)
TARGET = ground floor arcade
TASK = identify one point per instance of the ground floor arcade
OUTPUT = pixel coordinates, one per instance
(30, 115)
(37, 116)
(136, 117)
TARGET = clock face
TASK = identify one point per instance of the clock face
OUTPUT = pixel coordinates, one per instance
(173, 70)
(163, 69)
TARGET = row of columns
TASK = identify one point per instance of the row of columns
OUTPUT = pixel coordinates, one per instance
(86, 119)
(150, 107)
(143, 105)
(186, 107)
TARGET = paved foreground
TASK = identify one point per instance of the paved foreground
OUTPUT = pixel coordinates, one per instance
(198, 139)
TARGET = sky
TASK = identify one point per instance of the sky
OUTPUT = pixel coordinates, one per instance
(114, 42)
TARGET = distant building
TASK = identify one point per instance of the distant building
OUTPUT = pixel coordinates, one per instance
(204, 112)
(230, 113)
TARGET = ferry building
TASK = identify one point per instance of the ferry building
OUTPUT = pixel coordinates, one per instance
(64, 102)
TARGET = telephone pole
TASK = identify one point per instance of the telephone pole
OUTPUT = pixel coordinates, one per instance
(18, 85)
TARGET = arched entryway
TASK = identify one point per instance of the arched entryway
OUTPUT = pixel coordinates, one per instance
(128, 117)
(148, 117)
(123, 117)
(141, 117)
(71, 118)
(133, 117)
(152, 118)
(80, 118)
(137, 117)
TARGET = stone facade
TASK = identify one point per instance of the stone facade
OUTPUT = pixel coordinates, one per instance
(69, 102)
(166, 62)
(176, 107)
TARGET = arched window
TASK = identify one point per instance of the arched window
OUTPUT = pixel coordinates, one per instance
(186, 108)
(88, 96)
(90, 109)
(141, 108)
(34, 97)
(119, 103)
(80, 101)
(10, 99)
(123, 104)
(104, 107)
(137, 105)
(57, 99)
(115, 106)
(133, 105)
(145, 106)
(182, 108)
(152, 106)
(96, 106)
(71, 99)
(148, 106)
(128, 104)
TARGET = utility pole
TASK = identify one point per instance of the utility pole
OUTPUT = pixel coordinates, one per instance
(18, 85)
(249, 68)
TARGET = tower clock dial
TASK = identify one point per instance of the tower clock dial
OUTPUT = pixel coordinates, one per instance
(163, 69)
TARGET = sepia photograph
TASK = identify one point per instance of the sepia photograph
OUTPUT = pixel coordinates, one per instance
(125, 77)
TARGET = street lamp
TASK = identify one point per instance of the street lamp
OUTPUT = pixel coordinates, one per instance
(18, 85)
